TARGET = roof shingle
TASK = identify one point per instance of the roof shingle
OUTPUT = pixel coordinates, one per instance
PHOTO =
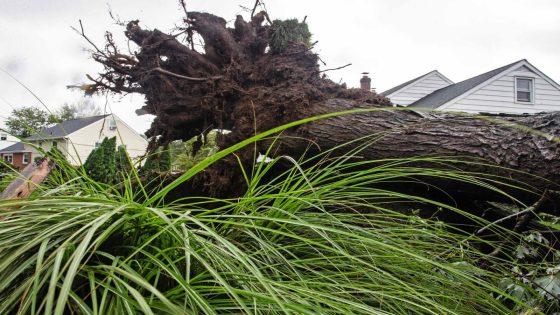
(64, 128)
(16, 147)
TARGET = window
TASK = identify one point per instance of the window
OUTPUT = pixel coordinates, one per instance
(3, 136)
(112, 124)
(524, 90)
(8, 158)
(26, 158)
(54, 144)
(97, 144)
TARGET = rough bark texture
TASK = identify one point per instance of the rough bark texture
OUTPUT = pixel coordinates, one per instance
(236, 83)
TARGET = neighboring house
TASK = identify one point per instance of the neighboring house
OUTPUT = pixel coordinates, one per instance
(417, 88)
(76, 139)
(16, 154)
(6, 139)
(516, 88)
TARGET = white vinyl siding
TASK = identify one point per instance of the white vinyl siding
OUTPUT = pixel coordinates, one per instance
(499, 96)
(10, 140)
(80, 143)
(417, 90)
(83, 141)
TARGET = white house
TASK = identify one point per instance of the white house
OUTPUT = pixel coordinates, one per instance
(407, 93)
(6, 139)
(516, 88)
(76, 138)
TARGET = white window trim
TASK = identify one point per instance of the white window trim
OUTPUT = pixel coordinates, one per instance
(11, 158)
(23, 158)
(532, 92)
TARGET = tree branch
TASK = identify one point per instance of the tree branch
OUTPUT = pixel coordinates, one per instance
(163, 71)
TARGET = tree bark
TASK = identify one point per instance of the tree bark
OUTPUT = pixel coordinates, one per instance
(28, 180)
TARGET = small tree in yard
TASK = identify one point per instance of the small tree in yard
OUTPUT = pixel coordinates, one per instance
(93, 163)
(151, 164)
(122, 162)
(100, 164)
(109, 155)
(158, 160)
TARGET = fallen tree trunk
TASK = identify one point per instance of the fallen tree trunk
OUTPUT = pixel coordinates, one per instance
(28, 180)
(256, 76)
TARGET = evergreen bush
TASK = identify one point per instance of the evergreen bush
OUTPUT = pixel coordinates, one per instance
(100, 164)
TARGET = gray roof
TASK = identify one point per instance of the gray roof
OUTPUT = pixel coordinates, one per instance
(16, 147)
(444, 95)
(65, 128)
(400, 86)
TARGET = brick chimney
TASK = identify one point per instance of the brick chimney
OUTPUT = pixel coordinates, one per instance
(365, 82)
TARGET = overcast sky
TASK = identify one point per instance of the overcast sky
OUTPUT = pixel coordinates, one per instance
(394, 40)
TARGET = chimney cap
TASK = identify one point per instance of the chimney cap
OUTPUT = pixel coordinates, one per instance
(365, 73)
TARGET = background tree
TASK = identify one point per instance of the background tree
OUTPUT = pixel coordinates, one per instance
(28, 120)
(66, 112)
(84, 107)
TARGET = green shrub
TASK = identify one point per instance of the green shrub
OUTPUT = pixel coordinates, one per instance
(122, 161)
(100, 164)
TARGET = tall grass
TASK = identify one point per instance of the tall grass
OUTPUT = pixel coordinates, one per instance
(313, 240)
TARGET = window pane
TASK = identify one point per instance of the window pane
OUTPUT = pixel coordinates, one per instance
(523, 85)
(523, 96)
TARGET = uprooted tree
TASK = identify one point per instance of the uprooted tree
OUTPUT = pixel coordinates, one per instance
(261, 74)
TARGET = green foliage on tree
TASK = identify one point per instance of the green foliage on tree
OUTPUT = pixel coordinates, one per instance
(109, 154)
(66, 112)
(122, 162)
(165, 159)
(83, 108)
(28, 120)
(288, 31)
(93, 162)
(151, 164)
(182, 151)
(100, 165)
(160, 160)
